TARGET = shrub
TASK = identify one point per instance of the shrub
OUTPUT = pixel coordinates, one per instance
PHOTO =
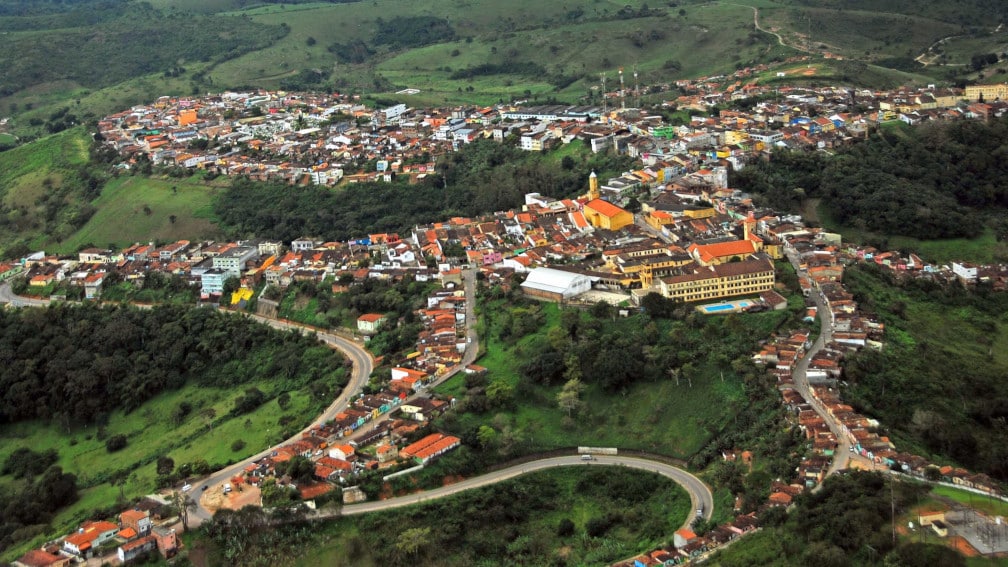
(115, 443)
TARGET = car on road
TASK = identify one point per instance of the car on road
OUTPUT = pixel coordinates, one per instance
(699, 511)
(587, 457)
(205, 486)
(186, 487)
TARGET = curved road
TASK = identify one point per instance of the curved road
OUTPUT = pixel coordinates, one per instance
(363, 364)
(698, 491)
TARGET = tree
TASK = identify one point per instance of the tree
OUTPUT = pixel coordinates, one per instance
(500, 392)
(183, 504)
(565, 528)
(172, 219)
(411, 541)
(299, 468)
(115, 443)
(569, 397)
(487, 437)
(165, 465)
(208, 415)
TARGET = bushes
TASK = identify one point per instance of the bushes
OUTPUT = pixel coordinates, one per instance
(115, 443)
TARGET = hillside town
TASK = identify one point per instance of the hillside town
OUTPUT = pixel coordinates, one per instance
(326, 139)
(695, 240)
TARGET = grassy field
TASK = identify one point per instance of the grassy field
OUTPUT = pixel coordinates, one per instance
(122, 218)
(857, 33)
(989, 506)
(151, 434)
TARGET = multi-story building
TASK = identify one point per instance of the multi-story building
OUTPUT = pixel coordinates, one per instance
(747, 277)
(233, 261)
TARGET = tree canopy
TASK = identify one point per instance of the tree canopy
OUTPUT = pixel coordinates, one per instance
(936, 180)
(79, 363)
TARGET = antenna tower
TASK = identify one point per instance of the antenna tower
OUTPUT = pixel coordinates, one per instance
(636, 87)
(622, 91)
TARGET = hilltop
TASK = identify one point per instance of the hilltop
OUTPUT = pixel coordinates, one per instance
(112, 54)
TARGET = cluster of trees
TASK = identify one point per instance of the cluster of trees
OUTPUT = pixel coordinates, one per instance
(79, 363)
(400, 32)
(398, 301)
(412, 31)
(587, 352)
(28, 505)
(936, 180)
(940, 356)
(481, 177)
(980, 60)
(509, 67)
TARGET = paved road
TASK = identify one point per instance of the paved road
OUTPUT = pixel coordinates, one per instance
(698, 491)
(363, 364)
(7, 296)
(800, 375)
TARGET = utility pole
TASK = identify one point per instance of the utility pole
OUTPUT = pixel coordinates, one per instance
(892, 503)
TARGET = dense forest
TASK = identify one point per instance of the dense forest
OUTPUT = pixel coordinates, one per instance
(482, 177)
(938, 386)
(936, 180)
(44, 489)
(77, 364)
(848, 522)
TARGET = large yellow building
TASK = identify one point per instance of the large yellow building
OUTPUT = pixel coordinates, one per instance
(990, 92)
(605, 215)
(747, 277)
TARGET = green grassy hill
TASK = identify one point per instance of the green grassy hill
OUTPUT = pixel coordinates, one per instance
(44, 188)
(179, 209)
(53, 197)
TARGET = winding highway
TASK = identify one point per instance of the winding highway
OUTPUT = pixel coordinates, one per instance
(363, 364)
(698, 491)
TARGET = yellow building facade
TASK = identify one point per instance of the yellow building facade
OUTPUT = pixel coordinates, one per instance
(716, 282)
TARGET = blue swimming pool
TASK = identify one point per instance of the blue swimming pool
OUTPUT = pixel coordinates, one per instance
(724, 307)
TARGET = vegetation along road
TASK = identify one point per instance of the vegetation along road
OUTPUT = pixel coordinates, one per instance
(698, 491)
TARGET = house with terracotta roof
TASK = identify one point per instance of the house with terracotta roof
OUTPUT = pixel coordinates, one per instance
(430, 447)
(722, 252)
(137, 520)
(605, 215)
(370, 323)
(89, 537)
(42, 558)
(133, 549)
